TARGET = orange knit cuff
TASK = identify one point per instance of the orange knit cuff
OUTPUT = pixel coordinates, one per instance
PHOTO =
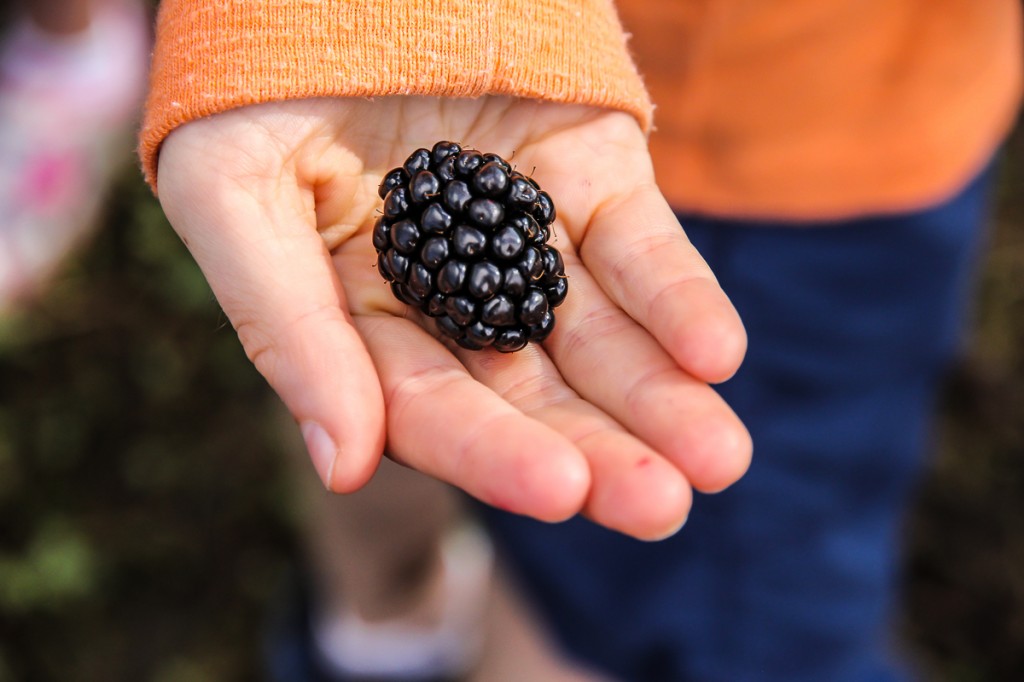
(213, 56)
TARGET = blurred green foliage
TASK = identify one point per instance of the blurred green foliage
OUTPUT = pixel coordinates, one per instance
(56, 568)
(143, 510)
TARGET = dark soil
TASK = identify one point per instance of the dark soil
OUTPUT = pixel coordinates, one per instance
(965, 563)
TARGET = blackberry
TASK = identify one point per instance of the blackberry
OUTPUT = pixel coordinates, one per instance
(463, 238)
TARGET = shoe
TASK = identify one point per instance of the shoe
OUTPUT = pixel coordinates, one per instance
(68, 108)
(304, 647)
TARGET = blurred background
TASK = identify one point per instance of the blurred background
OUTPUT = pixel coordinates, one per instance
(145, 521)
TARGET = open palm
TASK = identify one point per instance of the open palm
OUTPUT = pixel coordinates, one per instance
(612, 415)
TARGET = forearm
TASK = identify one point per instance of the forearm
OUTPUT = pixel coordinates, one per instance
(210, 57)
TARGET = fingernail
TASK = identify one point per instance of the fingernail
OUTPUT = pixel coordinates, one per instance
(670, 533)
(322, 450)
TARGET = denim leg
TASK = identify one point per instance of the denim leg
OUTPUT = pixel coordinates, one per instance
(789, 575)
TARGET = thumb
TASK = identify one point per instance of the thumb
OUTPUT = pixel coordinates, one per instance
(256, 243)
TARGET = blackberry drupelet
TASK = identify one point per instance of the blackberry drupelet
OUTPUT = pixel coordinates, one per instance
(463, 238)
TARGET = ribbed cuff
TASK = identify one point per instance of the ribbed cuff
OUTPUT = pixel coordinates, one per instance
(214, 56)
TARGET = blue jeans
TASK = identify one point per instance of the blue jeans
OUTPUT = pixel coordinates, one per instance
(789, 575)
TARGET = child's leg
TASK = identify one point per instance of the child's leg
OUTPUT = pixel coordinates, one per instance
(395, 583)
(398, 587)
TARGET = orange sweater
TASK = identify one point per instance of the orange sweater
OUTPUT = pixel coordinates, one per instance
(824, 108)
(212, 56)
(792, 109)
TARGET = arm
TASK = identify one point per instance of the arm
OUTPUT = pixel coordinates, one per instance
(612, 416)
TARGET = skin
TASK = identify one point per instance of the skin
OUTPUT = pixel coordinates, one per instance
(612, 416)
(62, 17)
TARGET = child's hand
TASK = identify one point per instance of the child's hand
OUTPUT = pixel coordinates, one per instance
(612, 416)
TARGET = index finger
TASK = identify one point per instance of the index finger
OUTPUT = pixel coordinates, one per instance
(253, 233)
(636, 249)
